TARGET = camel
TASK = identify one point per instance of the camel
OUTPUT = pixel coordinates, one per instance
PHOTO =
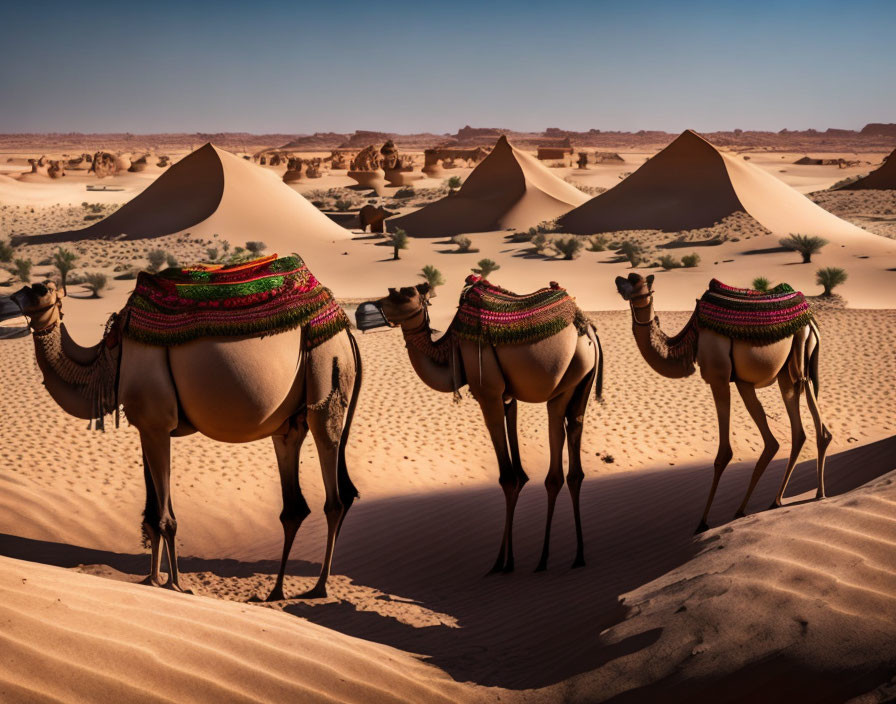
(558, 370)
(791, 361)
(229, 389)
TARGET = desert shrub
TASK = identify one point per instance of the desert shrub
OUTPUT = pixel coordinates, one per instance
(342, 205)
(6, 251)
(22, 270)
(171, 260)
(598, 243)
(464, 243)
(406, 192)
(667, 261)
(569, 247)
(829, 277)
(454, 183)
(211, 253)
(484, 267)
(548, 226)
(760, 283)
(64, 261)
(690, 260)
(256, 248)
(156, 258)
(399, 241)
(540, 243)
(631, 251)
(806, 245)
(225, 246)
(432, 276)
(96, 282)
(127, 275)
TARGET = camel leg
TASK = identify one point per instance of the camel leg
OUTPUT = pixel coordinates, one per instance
(553, 482)
(157, 450)
(295, 508)
(757, 413)
(721, 394)
(151, 532)
(790, 392)
(494, 415)
(575, 424)
(823, 437)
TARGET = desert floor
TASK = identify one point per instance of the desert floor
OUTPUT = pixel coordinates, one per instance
(798, 602)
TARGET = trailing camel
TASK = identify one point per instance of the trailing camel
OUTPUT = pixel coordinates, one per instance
(748, 337)
(232, 388)
(537, 349)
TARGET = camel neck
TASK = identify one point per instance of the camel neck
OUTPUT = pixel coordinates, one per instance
(671, 357)
(431, 360)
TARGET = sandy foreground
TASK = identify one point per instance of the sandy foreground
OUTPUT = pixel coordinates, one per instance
(798, 603)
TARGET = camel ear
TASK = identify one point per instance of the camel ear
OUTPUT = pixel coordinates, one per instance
(650, 281)
(423, 288)
(408, 291)
(620, 282)
(633, 278)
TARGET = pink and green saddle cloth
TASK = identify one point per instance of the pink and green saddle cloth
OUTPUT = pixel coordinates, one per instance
(491, 314)
(261, 297)
(745, 314)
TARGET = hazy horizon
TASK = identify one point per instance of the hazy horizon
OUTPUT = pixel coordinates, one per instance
(278, 67)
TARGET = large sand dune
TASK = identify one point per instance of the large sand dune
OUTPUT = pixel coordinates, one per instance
(883, 178)
(509, 189)
(690, 184)
(213, 192)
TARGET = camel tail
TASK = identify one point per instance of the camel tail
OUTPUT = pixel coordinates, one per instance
(813, 359)
(599, 381)
(347, 490)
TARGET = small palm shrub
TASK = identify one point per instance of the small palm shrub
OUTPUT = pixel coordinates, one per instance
(829, 277)
(454, 183)
(399, 241)
(484, 267)
(804, 244)
(631, 251)
(690, 260)
(96, 282)
(598, 243)
(760, 283)
(569, 247)
(433, 277)
(64, 261)
(22, 269)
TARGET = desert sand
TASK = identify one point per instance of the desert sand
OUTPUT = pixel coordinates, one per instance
(807, 591)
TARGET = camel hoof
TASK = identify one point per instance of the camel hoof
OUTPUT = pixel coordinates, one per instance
(579, 562)
(542, 566)
(702, 528)
(820, 496)
(316, 593)
(275, 595)
(150, 582)
(508, 568)
(774, 505)
(739, 514)
(177, 588)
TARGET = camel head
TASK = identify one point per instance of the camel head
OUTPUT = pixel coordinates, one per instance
(635, 286)
(40, 303)
(404, 303)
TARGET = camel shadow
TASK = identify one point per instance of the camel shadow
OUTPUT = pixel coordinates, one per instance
(520, 630)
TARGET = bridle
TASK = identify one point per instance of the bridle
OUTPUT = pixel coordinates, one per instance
(634, 308)
(424, 323)
(30, 313)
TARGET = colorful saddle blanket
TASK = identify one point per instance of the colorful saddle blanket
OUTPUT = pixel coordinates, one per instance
(488, 313)
(257, 298)
(745, 314)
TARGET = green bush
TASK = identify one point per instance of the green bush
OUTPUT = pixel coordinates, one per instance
(804, 244)
(690, 260)
(22, 269)
(760, 283)
(432, 276)
(211, 253)
(342, 205)
(829, 277)
(96, 282)
(484, 267)
(569, 247)
(667, 261)
(454, 183)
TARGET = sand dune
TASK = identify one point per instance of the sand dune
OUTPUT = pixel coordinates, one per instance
(508, 189)
(119, 642)
(883, 178)
(210, 192)
(691, 184)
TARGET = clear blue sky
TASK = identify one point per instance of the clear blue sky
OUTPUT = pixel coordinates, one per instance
(295, 67)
